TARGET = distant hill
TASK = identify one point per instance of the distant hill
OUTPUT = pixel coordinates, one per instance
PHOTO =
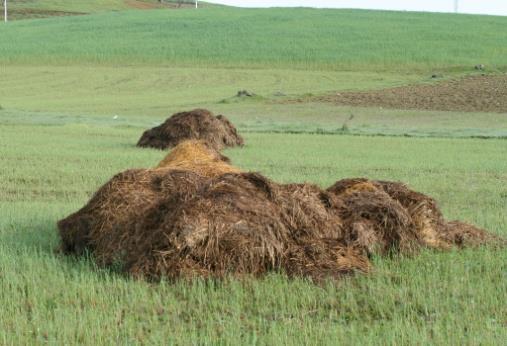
(29, 9)
(265, 38)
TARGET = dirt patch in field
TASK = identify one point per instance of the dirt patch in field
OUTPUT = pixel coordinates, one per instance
(141, 5)
(147, 5)
(15, 14)
(199, 124)
(470, 94)
(32, 13)
(180, 221)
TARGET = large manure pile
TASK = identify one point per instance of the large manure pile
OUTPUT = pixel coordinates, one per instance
(199, 124)
(181, 220)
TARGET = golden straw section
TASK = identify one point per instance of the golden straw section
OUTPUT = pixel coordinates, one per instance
(197, 157)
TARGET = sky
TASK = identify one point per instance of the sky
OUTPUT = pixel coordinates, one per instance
(494, 7)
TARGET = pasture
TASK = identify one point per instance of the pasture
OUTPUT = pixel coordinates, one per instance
(77, 92)
(344, 40)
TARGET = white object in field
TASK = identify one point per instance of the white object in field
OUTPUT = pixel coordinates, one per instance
(195, 3)
(115, 117)
(5, 10)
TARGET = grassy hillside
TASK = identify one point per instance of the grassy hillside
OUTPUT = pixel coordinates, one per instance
(146, 95)
(288, 38)
(147, 90)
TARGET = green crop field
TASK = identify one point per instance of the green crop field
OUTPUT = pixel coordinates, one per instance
(76, 92)
(303, 38)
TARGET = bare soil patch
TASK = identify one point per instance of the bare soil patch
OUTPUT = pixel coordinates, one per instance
(469, 94)
(147, 5)
(32, 13)
(199, 124)
(180, 221)
(37, 13)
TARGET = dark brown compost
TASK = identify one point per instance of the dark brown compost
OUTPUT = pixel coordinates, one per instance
(181, 221)
(199, 124)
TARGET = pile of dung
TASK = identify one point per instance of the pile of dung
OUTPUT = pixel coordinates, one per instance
(199, 124)
(103, 225)
(385, 217)
(130, 194)
(178, 224)
(181, 220)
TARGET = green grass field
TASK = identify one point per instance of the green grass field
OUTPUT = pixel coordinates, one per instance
(50, 171)
(62, 80)
(262, 38)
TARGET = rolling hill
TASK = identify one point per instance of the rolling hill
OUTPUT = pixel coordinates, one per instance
(259, 38)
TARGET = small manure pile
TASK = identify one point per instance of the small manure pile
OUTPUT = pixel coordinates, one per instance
(196, 215)
(199, 124)
(385, 217)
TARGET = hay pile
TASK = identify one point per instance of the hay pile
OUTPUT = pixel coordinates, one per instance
(182, 220)
(385, 217)
(172, 223)
(131, 194)
(199, 124)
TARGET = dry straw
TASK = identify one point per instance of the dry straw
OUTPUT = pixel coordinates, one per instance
(199, 124)
(196, 215)
(196, 156)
